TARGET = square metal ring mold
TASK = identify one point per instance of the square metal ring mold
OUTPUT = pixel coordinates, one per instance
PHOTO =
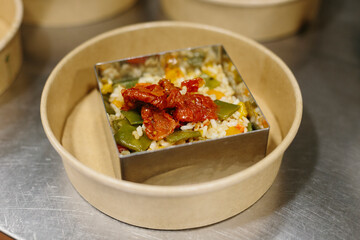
(219, 154)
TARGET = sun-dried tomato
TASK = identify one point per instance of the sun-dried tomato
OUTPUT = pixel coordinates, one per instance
(195, 108)
(192, 85)
(140, 94)
(158, 100)
(167, 85)
(158, 123)
(172, 92)
(189, 107)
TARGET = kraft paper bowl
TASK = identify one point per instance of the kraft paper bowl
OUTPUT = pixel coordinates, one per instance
(11, 12)
(66, 13)
(258, 19)
(72, 117)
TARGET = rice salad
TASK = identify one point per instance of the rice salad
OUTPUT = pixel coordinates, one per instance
(202, 75)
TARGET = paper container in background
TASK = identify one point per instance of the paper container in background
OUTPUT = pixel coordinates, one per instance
(48, 35)
(258, 19)
(65, 13)
(70, 108)
(11, 12)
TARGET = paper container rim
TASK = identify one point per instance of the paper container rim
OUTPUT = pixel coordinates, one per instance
(250, 4)
(58, 23)
(180, 190)
(15, 25)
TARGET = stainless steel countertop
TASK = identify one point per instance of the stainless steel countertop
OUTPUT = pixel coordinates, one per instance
(315, 196)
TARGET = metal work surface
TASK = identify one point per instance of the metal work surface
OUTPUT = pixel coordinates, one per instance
(316, 194)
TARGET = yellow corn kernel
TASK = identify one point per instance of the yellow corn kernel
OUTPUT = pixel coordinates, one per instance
(217, 93)
(201, 132)
(242, 110)
(106, 88)
(104, 81)
(173, 73)
(117, 103)
(234, 130)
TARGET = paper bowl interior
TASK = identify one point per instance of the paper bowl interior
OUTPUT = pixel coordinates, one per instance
(259, 19)
(66, 13)
(11, 12)
(68, 103)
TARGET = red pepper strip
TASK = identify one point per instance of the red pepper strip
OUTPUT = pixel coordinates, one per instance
(121, 148)
(139, 60)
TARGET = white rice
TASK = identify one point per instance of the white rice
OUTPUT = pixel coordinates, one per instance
(116, 94)
(183, 90)
(135, 134)
(188, 126)
(116, 109)
(125, 152)
(110, 73)
(139, 131)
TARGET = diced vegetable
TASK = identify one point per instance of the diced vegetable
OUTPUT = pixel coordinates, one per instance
(117, 124)
(126, 82)
(117, 103)
(133, 116)
(182, 135)
(173, 73)
(210, 82)
(249, 127)
(225, 109)
(242, 110)
(255, 126)
(124, 137)
(106, 88)
(217, 94)
(264, 123)
(139, 60)
(104, 80)
(108, 108)
(121, 148)
(234, 130)
(250, 106)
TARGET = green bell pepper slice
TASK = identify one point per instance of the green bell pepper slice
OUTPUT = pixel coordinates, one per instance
(133, 116)
(182, 135)
(125, 138)
(225, 109)
(108, 107)
(255, 126)
(250, 107)
(126, 82)
(117, 124)
(249, 127)
(210, 82)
